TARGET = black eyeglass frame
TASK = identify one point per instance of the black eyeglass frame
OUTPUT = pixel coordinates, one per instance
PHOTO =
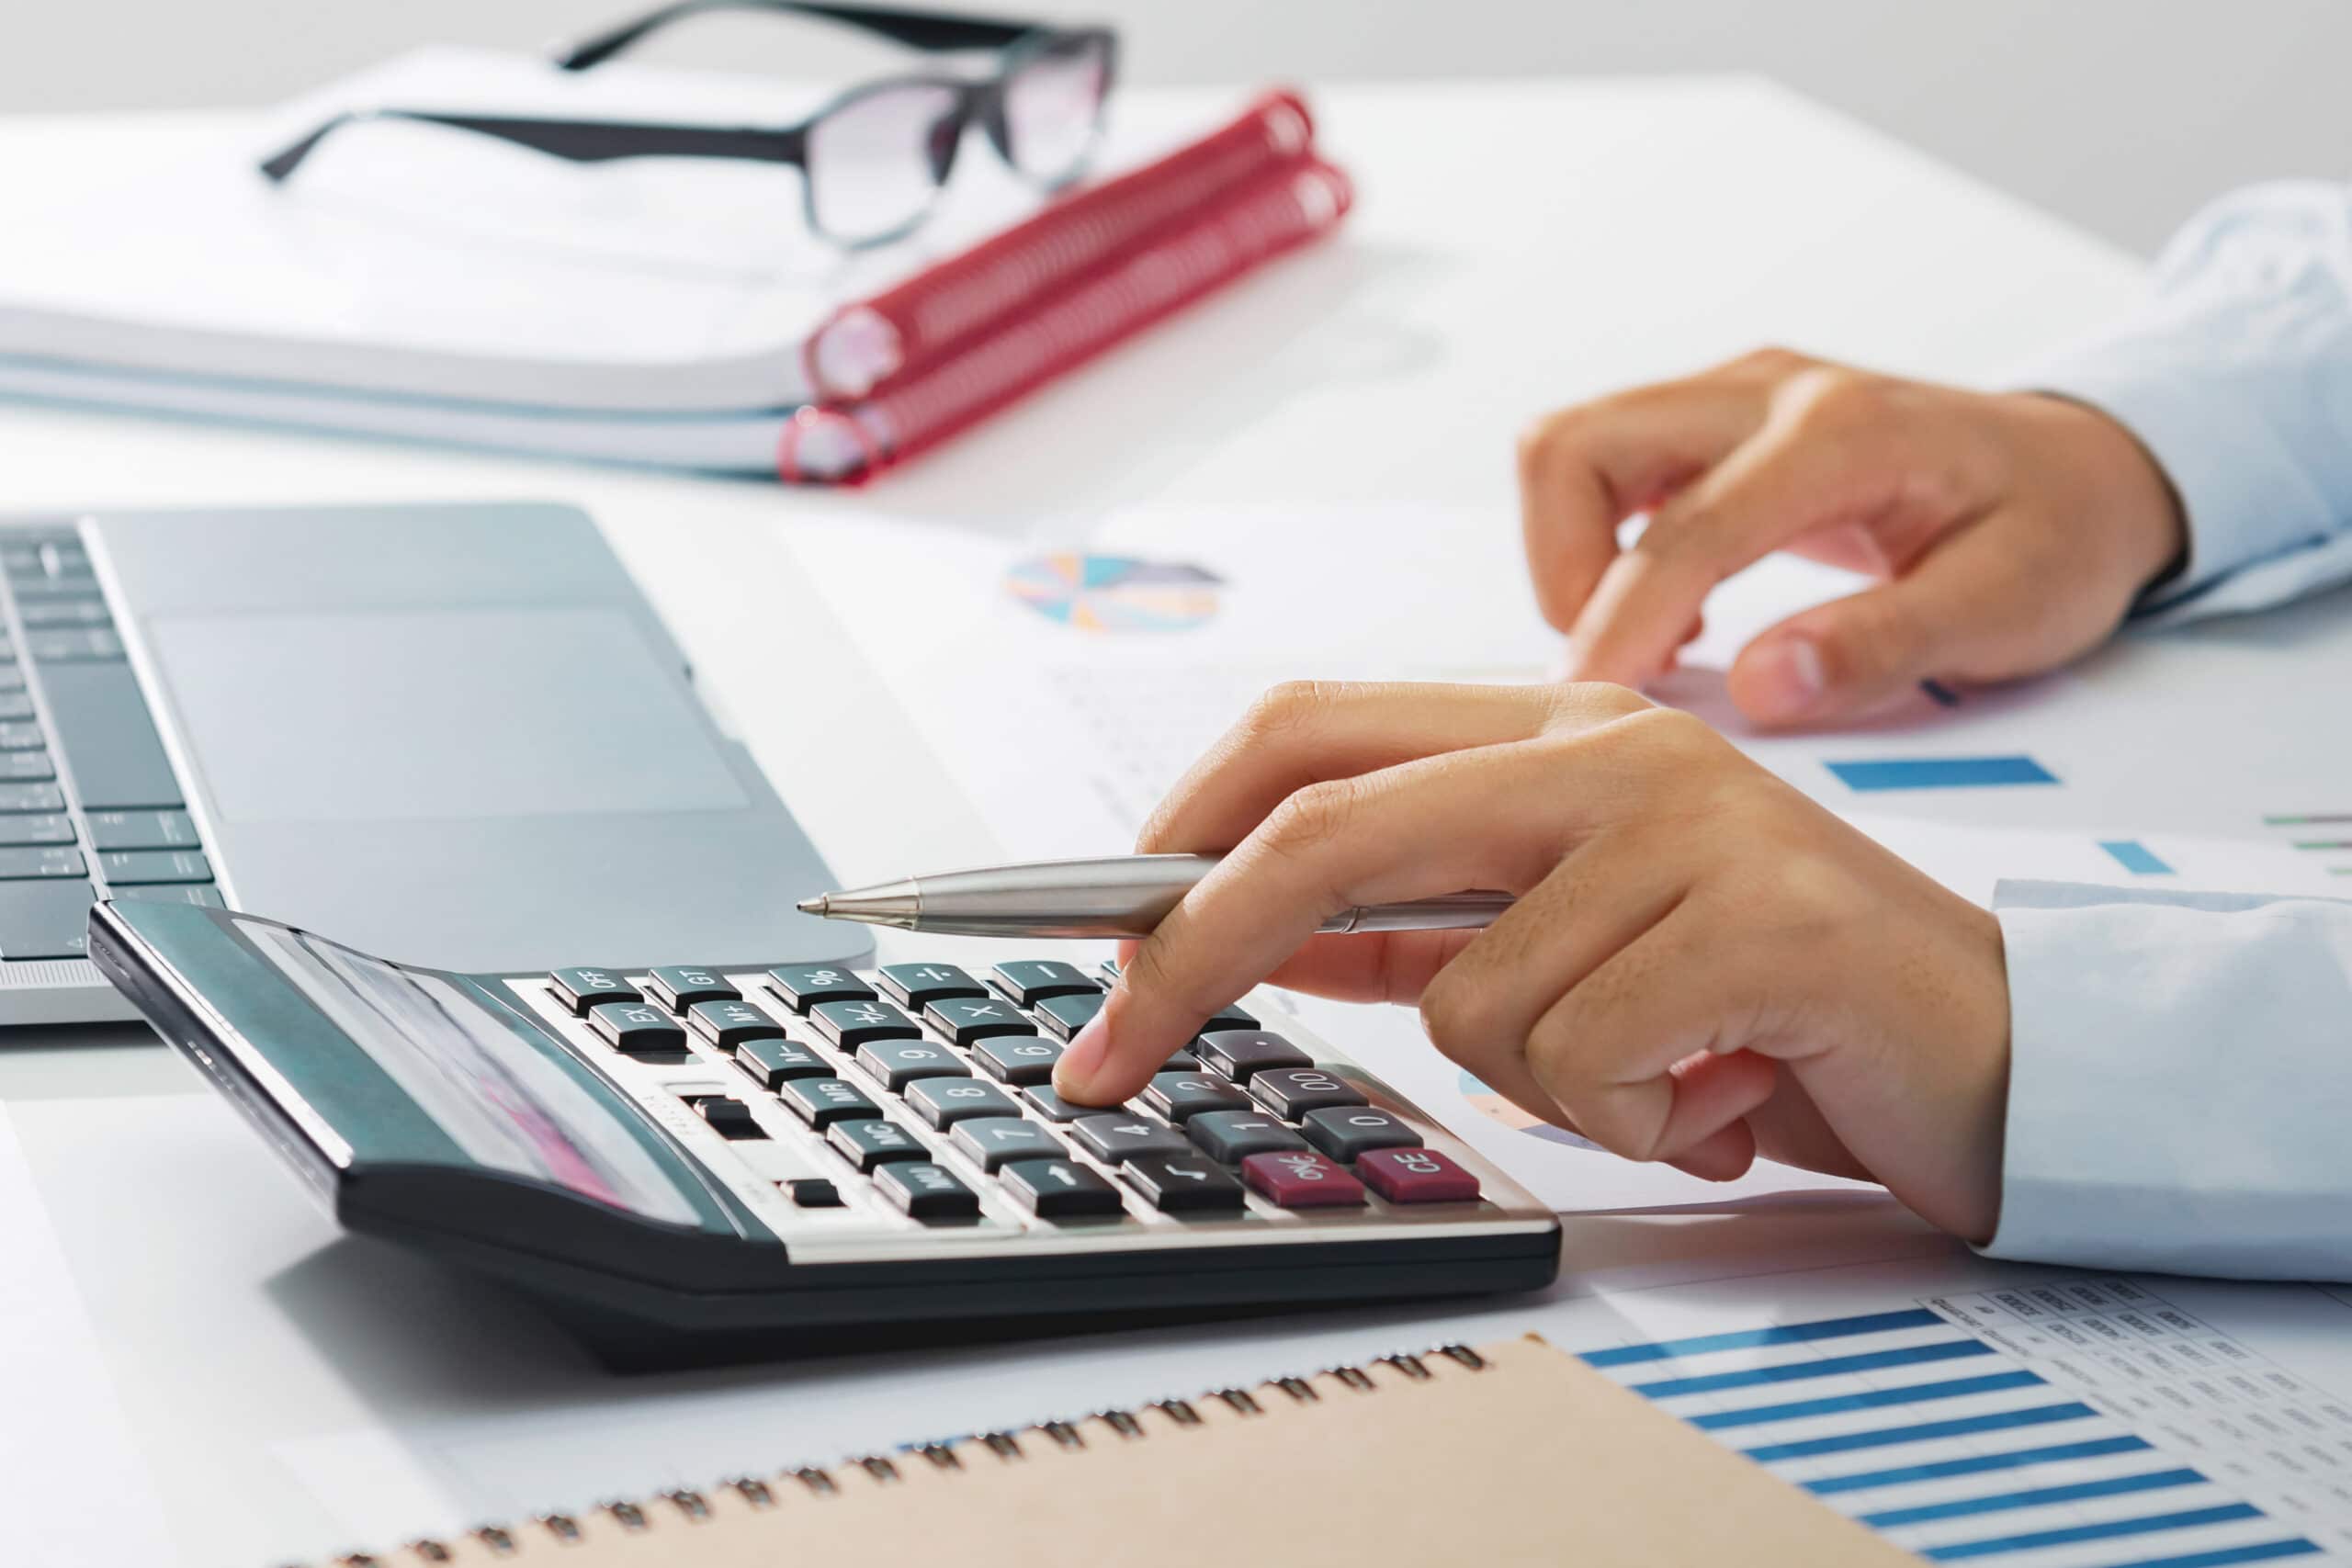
(977, 100)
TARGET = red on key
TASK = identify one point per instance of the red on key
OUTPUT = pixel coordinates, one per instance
(1299, 1179)
(1416, 1176)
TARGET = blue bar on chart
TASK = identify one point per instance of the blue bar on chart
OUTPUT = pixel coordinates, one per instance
(1872, 775)
(2136, 857)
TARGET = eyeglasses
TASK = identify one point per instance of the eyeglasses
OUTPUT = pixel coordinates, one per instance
(873, 161)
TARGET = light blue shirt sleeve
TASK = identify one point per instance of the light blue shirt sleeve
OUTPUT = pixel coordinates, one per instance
(2180, 1082)
(2236, 374)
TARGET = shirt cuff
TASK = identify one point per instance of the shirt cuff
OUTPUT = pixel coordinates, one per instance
(2177, 1074)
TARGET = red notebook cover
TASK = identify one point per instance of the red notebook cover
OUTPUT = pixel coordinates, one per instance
(1153, 274)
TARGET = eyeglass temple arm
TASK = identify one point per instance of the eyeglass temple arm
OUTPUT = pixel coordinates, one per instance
(928, 30)
(581, 140)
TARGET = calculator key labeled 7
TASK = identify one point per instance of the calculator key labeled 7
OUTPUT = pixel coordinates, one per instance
(636, 1028)
(994, 1142)
(852, 1024)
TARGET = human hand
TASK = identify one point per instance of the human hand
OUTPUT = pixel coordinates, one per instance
(1703, 965)
(2014, 530)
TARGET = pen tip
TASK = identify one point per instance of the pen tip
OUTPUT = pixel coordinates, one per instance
(821, 905)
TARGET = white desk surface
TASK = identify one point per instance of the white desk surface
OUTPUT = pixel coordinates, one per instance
(1518, 246)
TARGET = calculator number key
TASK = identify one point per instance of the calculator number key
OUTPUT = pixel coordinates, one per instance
(681, 986)
(1182, 1096)
(636, 1028)
(1238, 1053)
(1021, 1061)
(802, 985)
(942, 1102)
(1229, 1137)
(1116, 1136)
(1348, 1133)
(727, 1024)
(581, 989)
(1292, 1092)
(1183, 1184)
(917, 986)
(1061, 1189)
(927, 1192)
(1301, 1179)
(993, 1142)
(897, 1063)
(1065, 1016)
(968, 1021)
(852, 1024)
(1417, 1175)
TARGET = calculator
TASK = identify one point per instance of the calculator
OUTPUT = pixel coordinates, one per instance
(688, 1165)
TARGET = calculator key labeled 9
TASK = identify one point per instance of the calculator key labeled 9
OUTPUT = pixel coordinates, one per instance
(898, 1063)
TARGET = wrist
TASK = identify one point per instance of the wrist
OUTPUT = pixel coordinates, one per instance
(2127, 491)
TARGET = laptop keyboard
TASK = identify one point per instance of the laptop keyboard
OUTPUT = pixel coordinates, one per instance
(89, 805)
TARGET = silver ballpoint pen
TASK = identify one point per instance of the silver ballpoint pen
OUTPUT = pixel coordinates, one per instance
(1122, 896)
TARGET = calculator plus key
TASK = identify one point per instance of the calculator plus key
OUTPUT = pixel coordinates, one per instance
(636, 1028)
(968, 1021)
(1348, 1133)
(1301, 1179)
(927, 1192)
(1292, 1092)
(775, 1062)
(1183, 1184)
(1180, 1095)
(1115, 1136)
(993, 1142)
(898, 1063)
(727, 1024)
(1065, 1016)
(1025, 1060)
(1417, 1175)
(821, 1103)
(870, 1143)
(1238, 1053)
(1060, 1189)
(852, 1024)
(680, 985)
(917, 986)
(1229, 1137)
(942, 1102)
(803, 986)
(1031, 981)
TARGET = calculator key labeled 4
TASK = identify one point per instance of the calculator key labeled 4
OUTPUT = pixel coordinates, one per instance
(1301, 1179)
(1116, 1136)
(1417, 1175)
(1183, 1184)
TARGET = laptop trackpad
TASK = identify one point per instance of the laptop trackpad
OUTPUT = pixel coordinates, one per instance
(439, 714)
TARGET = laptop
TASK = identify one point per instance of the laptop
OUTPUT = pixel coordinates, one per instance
(456, 733)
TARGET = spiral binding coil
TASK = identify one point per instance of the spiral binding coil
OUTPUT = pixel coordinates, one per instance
(690, 1507)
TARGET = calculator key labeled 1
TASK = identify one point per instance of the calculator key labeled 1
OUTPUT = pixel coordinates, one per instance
(680, 985)
(1229, 1137)
(1115, 1136)
(1348, 1133)
(1182, 1096)
(821, 1103)
(968, 1021)
(942, 1102)
(1024, 1061)
(1061, 1189)
(1292, 1092)
(1183, 1184)
(1032, 980)
(802, 985)
(636, 1028)
(1239, 1053)
(727, 1024)
(1301, 1179)
(898, 1063)
(917, 986)
(1065, 1016)
(1417, 1175)
(993, 1142)
(775, 1062)
(852, 1024)
(869, 1144)
(927, 1192)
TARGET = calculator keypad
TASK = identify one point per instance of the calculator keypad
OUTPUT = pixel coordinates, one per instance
(919, 1097)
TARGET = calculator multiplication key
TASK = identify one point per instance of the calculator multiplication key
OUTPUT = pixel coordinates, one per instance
(821, 1103)
(1292, 1092)
(1417, 1175)
(775, 1062)
(1301, 1179)
(942, 1102)
(1182, 1096)
(917, 986)
(897, 1063)
(680, 985)
(1065, 1016)
(927, 1192)
(1183, 1184)
(1238, 1053)
(802, 985)
(636, 1028)
(727, 1024)
(993, 1142)
(1350, 1132)
(875, 1141)
(852, 1024)
(1031, 980)
(1229, 1137)
(1024, 1060)
(1061, 1189)
(1115, 1136)
(968, 1021)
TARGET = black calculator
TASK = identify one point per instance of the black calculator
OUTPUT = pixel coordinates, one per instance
(688, 1165)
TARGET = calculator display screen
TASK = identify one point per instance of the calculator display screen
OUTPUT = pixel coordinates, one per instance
(500, 1098)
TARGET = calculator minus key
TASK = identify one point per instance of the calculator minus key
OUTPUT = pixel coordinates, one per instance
(925, 1190)
(1029, 981)
(802, 985)
(821, 1103)
(917, 986)
(583, 988)
(680, 985)
(850, 1024)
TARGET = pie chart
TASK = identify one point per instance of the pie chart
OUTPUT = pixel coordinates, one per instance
(1496, 1108)
(1115, 593)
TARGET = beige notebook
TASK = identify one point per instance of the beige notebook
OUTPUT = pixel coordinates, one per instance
(1515, 1453)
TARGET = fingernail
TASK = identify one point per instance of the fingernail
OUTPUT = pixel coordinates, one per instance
(1787, 679)
(1087, 1052)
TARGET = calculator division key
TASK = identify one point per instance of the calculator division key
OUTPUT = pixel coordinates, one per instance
(917, 986)
(1115, 1136)
(821, 1103)
(1292, 1092)
(852, 1024)
(875, 1141)
(1031, 980)
(44, 918)
(1182, 1096)
(141, 830)
(1238, 1053)
(41, 860)
(129, 867)
(802, 985)
(1023, 1061)
(923, 1191)
(1065, 1016)
(1229, 1137)
(1416, 1176)
(680, 985)
(968, 1021)
(636, 1028)
(727, 1024)
(992, 1142)
(897, 1063)
(581, 989)
(942, 1102)
(1348, 1133)
(1183, 1184)
(1301, 1179)
(1061, 1189)
(775, 1062)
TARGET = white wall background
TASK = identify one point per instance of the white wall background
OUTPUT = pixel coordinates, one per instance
(2122, 114)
